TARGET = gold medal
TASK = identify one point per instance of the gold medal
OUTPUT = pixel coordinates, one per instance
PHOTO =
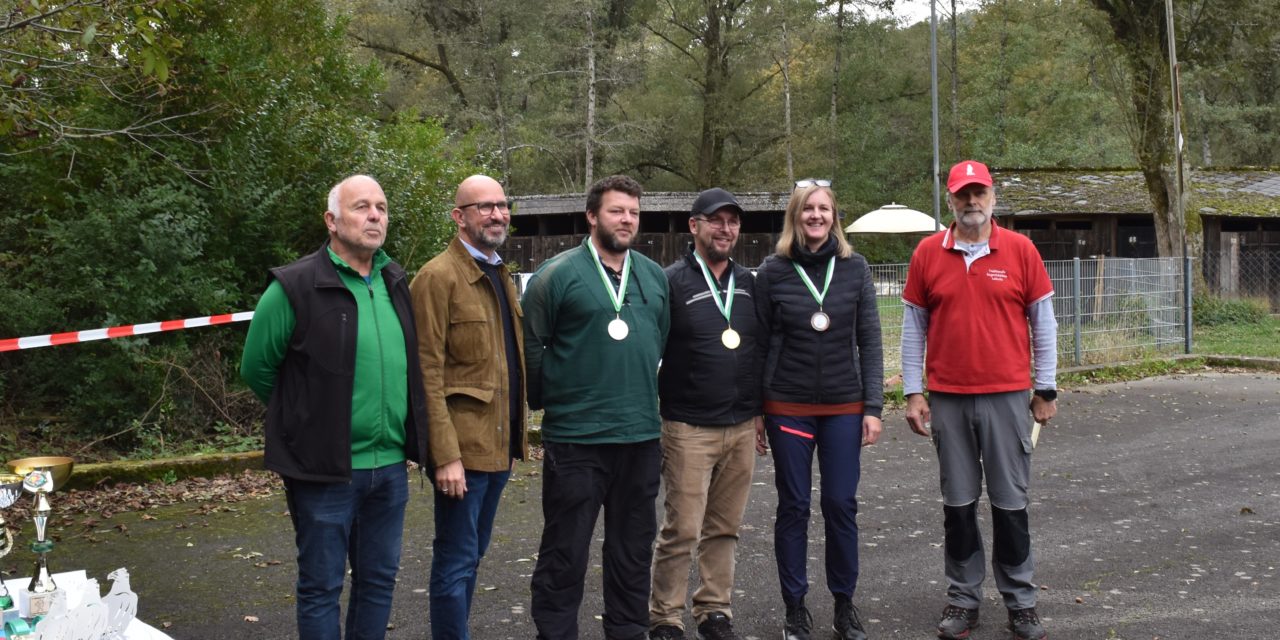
(820, 321)
(618, 329)
(730, 338)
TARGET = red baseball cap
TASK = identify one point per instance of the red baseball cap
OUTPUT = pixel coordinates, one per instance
(966, 173)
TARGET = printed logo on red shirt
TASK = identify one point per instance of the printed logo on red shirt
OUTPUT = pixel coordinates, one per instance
(997, 275)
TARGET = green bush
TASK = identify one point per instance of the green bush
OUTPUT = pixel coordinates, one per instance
(1211, 310)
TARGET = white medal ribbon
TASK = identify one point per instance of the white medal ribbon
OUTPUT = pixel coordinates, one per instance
(615, 297)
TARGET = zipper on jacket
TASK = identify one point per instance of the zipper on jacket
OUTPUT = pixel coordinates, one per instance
(382, 377)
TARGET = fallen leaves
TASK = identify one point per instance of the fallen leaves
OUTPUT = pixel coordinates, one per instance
(214, 495)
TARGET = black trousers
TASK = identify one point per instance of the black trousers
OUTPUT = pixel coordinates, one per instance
(579, 479)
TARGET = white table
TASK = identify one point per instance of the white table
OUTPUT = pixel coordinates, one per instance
(73, 582)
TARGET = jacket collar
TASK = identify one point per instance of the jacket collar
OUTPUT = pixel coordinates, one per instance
(465, 261)
(693, 264)
(328, 274)
(806, 257)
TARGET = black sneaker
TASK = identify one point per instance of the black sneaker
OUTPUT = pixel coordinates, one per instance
(666, 632)
(1025, 624)
(716, 627)
(798, 622)
(846, 624)
(957, 622)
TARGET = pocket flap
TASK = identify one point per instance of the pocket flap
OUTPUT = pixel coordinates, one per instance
(483, 395)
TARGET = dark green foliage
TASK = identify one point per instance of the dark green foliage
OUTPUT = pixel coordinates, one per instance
(267, 110)
(1209, 310)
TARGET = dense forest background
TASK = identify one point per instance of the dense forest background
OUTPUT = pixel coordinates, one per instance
(157, 156)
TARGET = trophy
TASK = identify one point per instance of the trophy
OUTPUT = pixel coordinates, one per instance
(10, 491)
(40, 477)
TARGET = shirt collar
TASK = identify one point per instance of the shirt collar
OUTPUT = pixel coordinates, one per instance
(949, 238)
(475, 253)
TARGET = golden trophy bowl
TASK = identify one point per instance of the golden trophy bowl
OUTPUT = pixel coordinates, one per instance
(58, 466)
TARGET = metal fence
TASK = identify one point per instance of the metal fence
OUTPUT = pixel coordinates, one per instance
(1244, 272)
(1108, 309)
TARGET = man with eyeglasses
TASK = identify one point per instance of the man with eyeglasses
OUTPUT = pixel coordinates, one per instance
(595, 320)
(470, 344)
(709, 393)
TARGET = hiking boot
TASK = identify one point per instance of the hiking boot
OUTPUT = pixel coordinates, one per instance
(666, 632)
(1025, 624)
(846, 624)
(798, 622)
(956, 622)
(716, 627)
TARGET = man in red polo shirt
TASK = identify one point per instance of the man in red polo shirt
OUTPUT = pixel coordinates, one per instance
(980, 297)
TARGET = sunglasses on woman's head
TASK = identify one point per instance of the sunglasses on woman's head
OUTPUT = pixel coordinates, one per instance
(810, 182)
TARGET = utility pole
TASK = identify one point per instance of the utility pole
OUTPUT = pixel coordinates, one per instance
(933, 84)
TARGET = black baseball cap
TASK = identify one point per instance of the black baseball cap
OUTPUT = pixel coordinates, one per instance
(713, 200)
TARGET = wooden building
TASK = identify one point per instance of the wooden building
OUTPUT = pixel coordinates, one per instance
(545, 225)
(1070, 214)
(1067, 213)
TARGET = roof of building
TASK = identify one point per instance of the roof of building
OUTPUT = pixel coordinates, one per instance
(1243, 193)
(1022, 192)
(655, 202)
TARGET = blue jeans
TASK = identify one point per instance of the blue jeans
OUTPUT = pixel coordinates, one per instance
(838, 442)
(361, 522)
(463, 528)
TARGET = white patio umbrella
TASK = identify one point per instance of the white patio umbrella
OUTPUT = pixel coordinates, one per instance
(893, 218)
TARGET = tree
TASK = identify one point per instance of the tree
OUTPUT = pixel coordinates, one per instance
(1140, 31)
(110, 230)
(118, 51)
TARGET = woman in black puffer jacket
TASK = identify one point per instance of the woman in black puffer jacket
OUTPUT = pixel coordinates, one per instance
(823, 392)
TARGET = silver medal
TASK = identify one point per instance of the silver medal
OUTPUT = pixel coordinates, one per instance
(618, 329)
(730, 338)
(820, 321)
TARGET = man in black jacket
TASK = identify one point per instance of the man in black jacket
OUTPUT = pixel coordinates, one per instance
(333, 353)
(709, 392)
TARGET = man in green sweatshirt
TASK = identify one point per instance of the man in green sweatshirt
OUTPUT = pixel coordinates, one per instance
(595, 324)
(333, 353)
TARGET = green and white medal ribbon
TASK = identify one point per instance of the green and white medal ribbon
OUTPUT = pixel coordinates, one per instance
(618, 329)
(820, 321)
(729, 338)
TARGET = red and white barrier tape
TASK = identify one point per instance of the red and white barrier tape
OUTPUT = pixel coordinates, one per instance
(72, 337)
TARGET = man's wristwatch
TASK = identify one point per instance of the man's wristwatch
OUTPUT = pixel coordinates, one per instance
(1048, 395)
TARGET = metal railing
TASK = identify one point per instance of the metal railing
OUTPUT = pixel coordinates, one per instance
(1108, 309)
(1244, 272)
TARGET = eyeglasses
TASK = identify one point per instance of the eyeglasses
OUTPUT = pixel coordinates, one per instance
(811, 182)
(487, 208)
(721, 223)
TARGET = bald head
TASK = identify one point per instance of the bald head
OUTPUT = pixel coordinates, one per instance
(476, 188)
(335, 194)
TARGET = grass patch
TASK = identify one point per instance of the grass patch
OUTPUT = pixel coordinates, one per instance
(1258, 339)
(1130, 371)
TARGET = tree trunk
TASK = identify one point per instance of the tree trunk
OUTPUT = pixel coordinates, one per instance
(589, 143)
(955, 88)
(1140, 30)
(715, 72)
(835, 91)
(786, 100)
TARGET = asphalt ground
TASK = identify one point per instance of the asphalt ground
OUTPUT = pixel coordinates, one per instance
(1155, 514)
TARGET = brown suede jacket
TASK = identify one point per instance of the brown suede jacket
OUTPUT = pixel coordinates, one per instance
(464, 369)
